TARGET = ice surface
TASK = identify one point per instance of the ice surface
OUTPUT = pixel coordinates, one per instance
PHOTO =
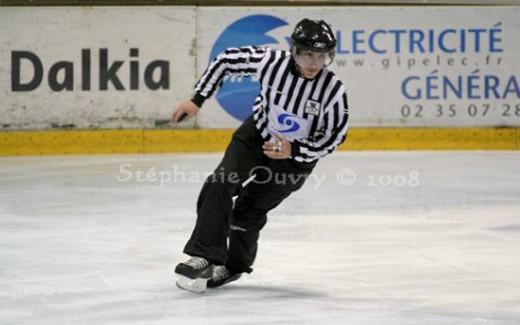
(372, 238)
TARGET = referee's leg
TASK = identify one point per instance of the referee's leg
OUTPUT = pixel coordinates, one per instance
(253, 204)
(215, 202)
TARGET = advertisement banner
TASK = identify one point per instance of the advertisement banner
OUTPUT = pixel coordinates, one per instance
(128, 67)
(402, 66)
(94, 67)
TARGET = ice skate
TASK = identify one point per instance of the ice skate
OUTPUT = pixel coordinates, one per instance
(221, 275)
(194, 274)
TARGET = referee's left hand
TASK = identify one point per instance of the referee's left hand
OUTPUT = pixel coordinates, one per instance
(278, 148)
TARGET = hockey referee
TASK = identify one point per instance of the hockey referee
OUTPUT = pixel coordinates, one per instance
(299, 116)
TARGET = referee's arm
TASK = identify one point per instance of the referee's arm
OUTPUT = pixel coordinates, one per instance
(233, 61)
(329, 138)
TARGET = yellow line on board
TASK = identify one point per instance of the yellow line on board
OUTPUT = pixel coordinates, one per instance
(21, 143)
(433, 139)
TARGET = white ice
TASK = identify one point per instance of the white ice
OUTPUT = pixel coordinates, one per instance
(372, 238)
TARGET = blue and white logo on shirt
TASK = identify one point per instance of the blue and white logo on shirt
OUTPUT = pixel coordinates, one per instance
(289, 123)
(290, 126)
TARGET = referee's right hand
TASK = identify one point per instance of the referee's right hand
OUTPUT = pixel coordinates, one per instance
(184, 111)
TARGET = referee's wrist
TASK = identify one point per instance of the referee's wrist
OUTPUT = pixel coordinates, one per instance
(295, 149)
(198, 99)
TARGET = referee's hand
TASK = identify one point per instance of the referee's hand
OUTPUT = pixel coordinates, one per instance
(278, 148)
(185, 111)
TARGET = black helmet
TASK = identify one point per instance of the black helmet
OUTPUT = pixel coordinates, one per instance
(313, 35)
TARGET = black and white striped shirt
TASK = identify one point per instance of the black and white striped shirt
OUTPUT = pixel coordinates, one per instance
(312, 114)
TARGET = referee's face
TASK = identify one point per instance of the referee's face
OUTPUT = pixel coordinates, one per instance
(310, 63)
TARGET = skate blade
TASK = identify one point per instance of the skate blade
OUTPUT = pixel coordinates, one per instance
(197, 285)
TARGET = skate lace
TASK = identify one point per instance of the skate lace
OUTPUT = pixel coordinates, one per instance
(197, 262)
(220, 272)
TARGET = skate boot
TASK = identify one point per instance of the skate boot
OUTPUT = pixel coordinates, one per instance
(194, 274)
(221, 275)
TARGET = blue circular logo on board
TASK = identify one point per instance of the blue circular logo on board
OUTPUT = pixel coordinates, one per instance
(237, 97)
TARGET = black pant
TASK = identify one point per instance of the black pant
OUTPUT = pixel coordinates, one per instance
(219, 218)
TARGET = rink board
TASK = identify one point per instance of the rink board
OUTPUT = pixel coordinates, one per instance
(479, 54)
(403, 66)
(391, 81)
(162, 141)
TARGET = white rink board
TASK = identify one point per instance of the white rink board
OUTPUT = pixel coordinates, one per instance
(487, 68)
(60, 33)
(184, 38)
